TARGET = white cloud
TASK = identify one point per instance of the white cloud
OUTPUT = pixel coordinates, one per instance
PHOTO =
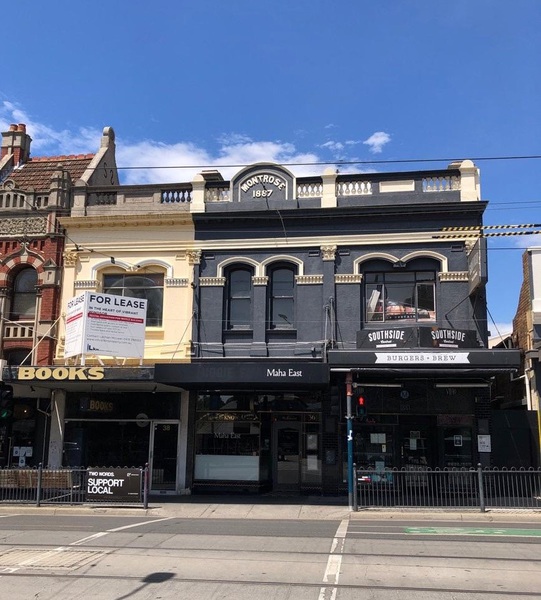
(45, 139)
(152, 161)
(377, 140)
(332, 145)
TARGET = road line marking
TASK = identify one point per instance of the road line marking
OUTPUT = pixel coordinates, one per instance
(334, 562)
(115, 529)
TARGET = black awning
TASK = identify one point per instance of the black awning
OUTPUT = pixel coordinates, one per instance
(475, 362)
(263, 374)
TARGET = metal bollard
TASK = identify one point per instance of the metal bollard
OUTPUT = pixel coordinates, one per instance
(38, 491)
(482, 506)
(355, 489)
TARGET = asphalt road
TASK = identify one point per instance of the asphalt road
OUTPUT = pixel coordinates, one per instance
(139, 557)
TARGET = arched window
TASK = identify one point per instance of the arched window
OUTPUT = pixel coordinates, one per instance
(407, 293)
(238, 298)
(23, 303)
(282, 296)
(146, 285)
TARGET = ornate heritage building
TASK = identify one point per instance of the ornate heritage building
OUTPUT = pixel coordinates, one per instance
(34, 193)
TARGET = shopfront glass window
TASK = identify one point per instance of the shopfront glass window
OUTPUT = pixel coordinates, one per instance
(227, 447)
(146, 286)
(405, 296)
(457, 447)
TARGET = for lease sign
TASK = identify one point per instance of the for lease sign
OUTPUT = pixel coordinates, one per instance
(106, 325)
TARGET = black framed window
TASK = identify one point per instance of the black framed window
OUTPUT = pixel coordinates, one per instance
(282, 297)
(147, 286)
(23, 303)
(403, 296)
(238, 307)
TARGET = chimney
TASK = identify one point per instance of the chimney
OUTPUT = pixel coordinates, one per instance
(16, 142)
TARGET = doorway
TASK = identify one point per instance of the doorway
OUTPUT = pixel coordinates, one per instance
(286, 453)
(163, 457)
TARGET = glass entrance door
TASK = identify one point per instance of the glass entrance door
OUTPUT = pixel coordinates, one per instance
(286, 457)
(163, 457)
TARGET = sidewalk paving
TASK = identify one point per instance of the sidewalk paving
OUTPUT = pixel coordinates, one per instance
(262, 507)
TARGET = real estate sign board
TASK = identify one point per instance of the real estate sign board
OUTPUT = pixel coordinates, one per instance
(106, 325)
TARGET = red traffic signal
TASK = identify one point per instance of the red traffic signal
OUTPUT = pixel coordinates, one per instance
(361, 407)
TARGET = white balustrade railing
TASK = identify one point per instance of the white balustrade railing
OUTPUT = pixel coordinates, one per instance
(353, 188)
(444, 183)
(310, 189)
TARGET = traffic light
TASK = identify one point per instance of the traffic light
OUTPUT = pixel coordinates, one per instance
(6, 401)
(361, 406)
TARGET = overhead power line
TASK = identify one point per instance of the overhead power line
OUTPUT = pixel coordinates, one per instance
(338, 163)
(479, 231)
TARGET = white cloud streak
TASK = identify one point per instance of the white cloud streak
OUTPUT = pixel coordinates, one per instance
(376, 141)
(153, 161)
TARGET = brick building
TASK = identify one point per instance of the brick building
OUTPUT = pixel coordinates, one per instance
(34, 192)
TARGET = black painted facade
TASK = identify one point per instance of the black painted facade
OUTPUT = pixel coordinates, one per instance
(420, 363)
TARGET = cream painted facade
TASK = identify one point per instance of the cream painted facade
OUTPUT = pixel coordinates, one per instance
(102, 244)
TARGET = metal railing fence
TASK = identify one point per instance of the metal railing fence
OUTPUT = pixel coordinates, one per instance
(480, 488)
(69, 485)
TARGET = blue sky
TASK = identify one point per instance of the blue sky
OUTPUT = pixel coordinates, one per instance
(209, 82)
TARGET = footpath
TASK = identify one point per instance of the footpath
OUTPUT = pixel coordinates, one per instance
(289, 508)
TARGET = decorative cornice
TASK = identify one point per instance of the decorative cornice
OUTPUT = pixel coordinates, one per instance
(454, 276)
(262, 280)
(309, 279)
(176, 282)
(328, 252)
(351, 278)
(211, 281)
(114, 218)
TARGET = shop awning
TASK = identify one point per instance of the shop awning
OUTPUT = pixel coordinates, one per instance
(263, 374)
(426, 363)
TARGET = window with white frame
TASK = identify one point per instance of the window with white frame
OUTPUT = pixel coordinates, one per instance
(238, 297)
(281, 296)
(400, 296)
(148, 286)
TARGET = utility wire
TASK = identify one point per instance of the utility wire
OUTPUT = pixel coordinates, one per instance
(48, 167)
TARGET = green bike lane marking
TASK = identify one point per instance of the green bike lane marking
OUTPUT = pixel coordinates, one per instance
(496, 531)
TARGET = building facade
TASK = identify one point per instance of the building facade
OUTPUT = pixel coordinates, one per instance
(34, 193)
(274, 302)
(518, 396)
(310, 290)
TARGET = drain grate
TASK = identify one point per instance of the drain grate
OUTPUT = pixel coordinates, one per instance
(59, 558)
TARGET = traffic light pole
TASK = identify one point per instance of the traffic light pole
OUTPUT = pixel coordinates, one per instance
(349, 427)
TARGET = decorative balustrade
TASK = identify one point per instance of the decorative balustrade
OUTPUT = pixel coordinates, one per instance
(445, 183)
(176, 196)
(19, 331)
(105, 198)
(217, 194)
(353, 188)
(310, 189)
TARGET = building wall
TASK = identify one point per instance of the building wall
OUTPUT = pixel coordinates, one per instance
(138, 245)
